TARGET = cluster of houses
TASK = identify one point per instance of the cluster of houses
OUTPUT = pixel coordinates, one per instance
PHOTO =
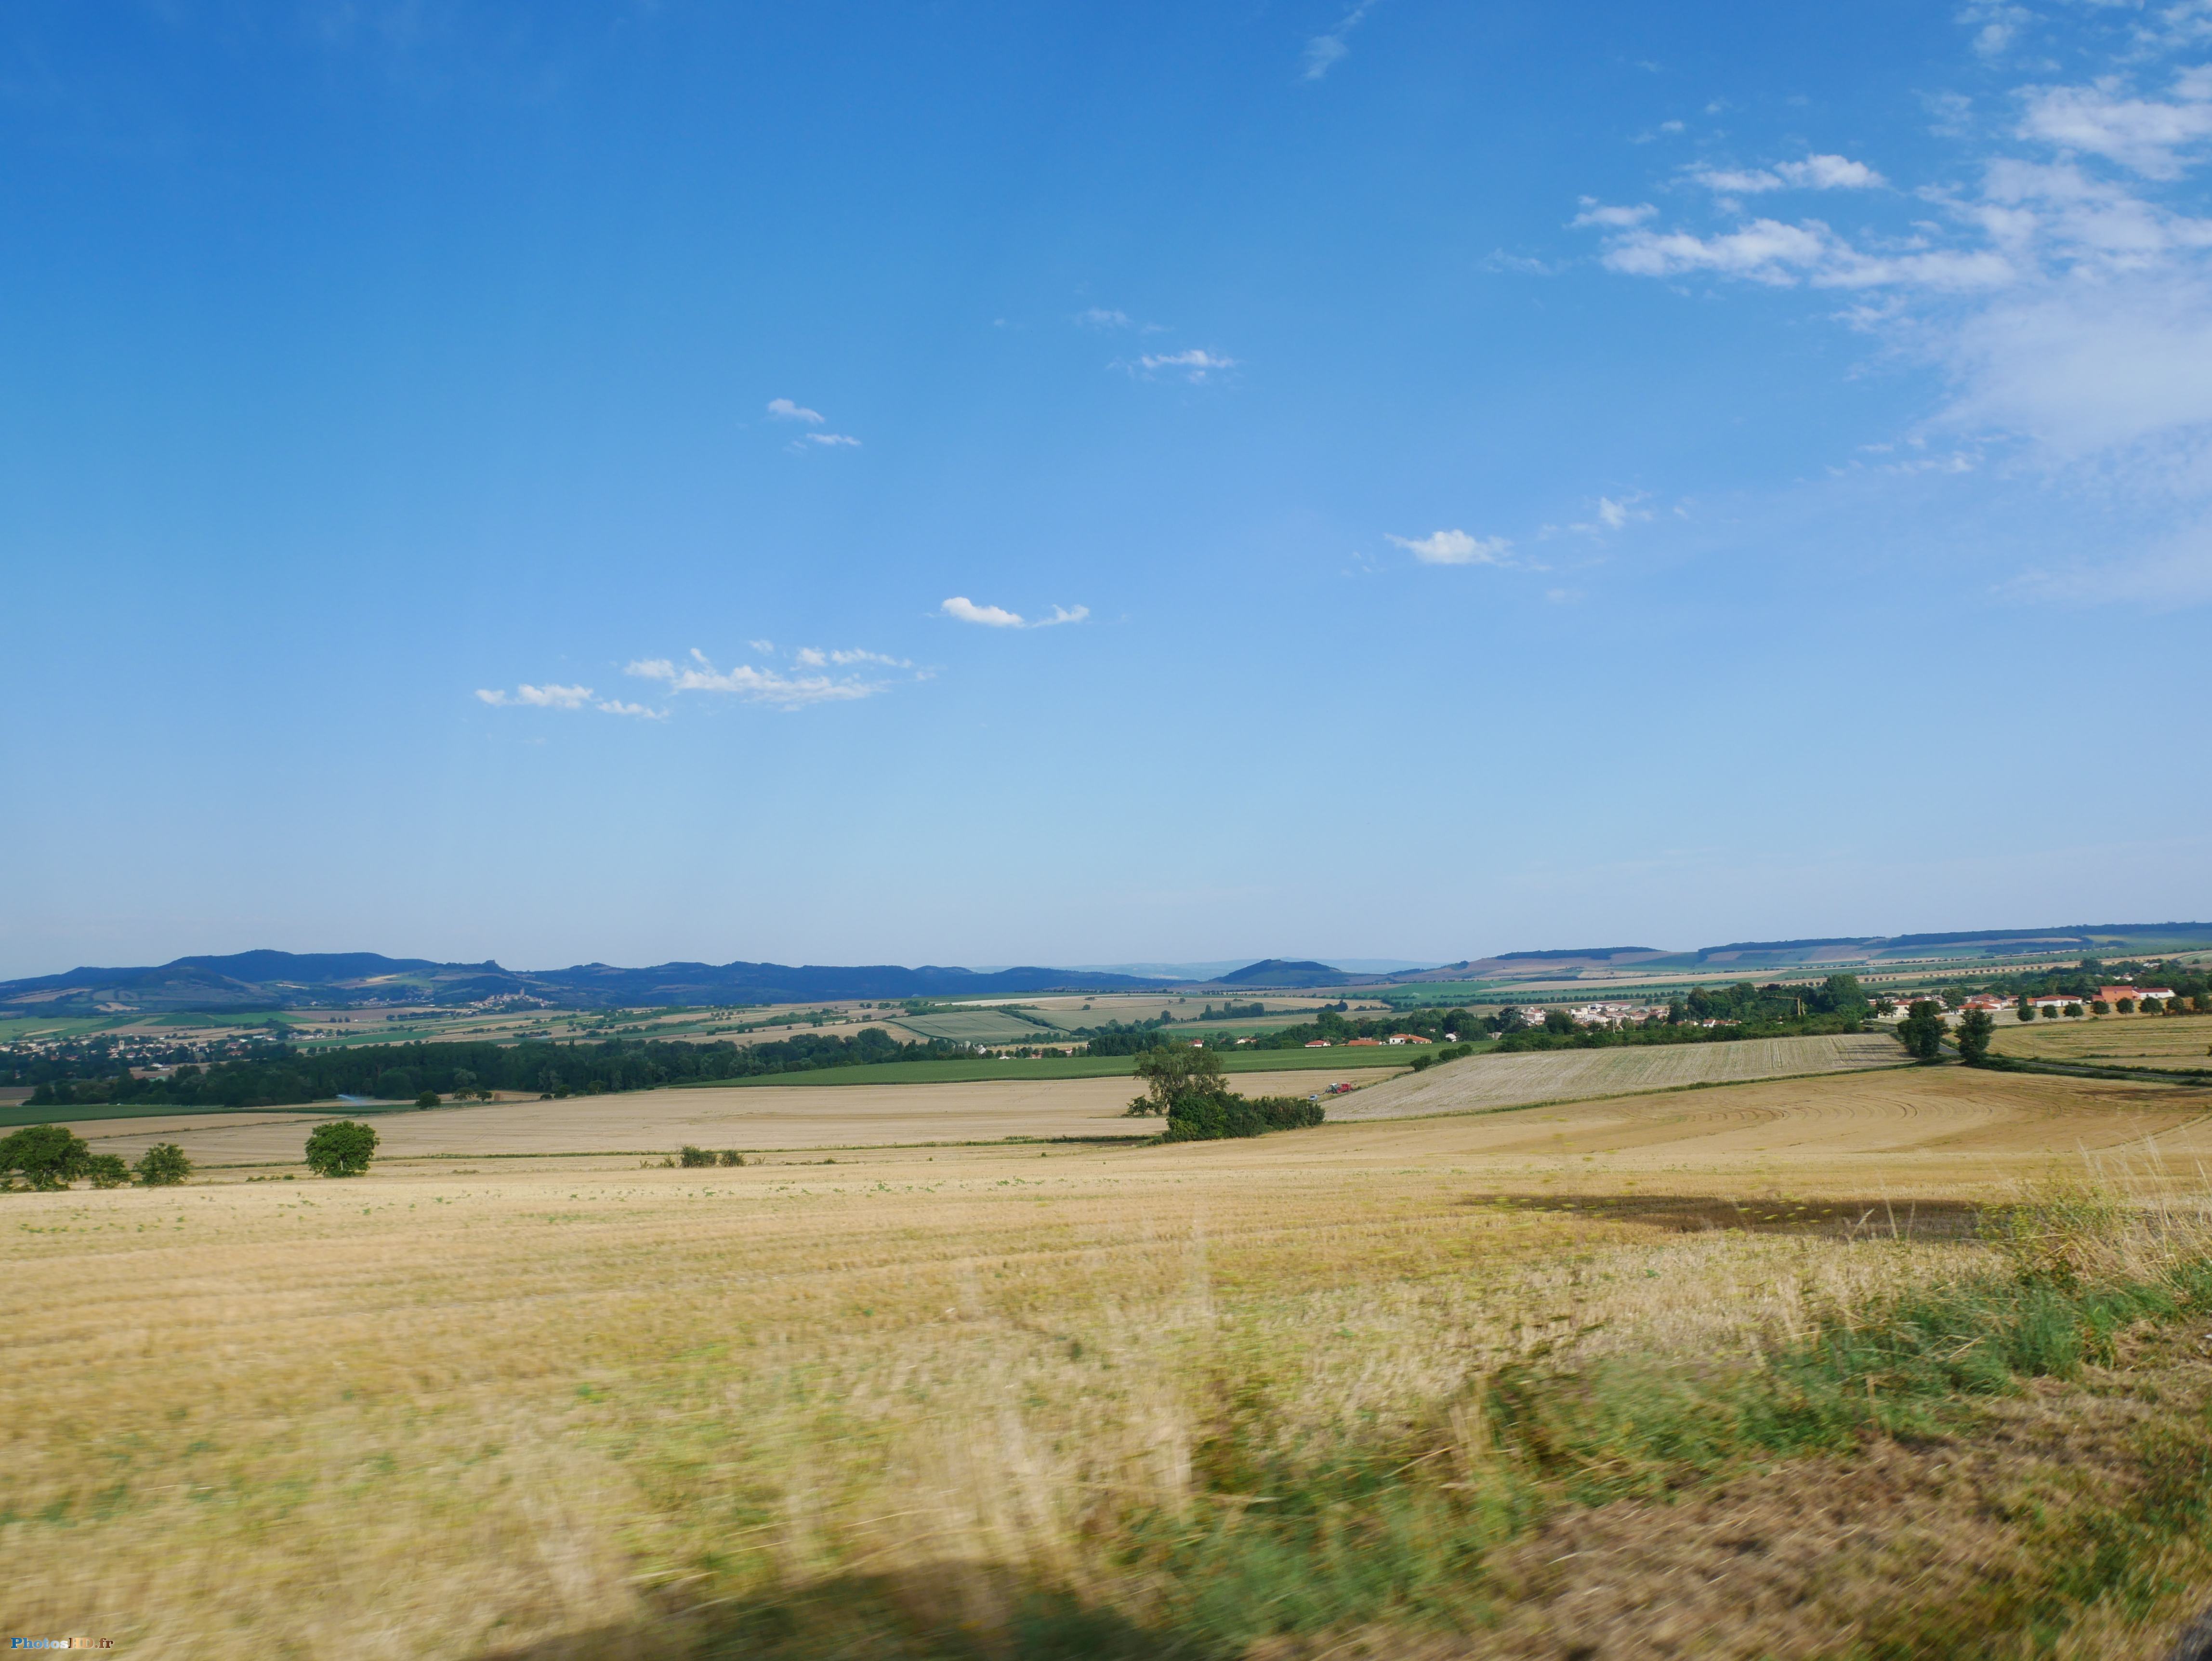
(2112, 997)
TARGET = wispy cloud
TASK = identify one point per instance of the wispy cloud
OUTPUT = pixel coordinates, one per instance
(1196, 364)
(527, 697)
(1103, 317)
(1598, 213)
(963, 610)
(1326, 51)
(754, 685)
(2064, 288)
(783, 409)
(1814, 173)
(819, 675)
(1457, 548)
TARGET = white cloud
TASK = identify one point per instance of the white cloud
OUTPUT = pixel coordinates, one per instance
(1815, 172)
(537, 697)
(1101, 316)
(752, 684)
(2144, 134)
(616, 707)
(1324, 53)
(813, 657)
(784, 410)
(1456, 548)
(1196, 364)
(833, 439)
(996, 616)
(1596, 213)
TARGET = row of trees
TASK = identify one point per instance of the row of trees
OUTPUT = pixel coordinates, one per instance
(51, 1156)
(405, 1072)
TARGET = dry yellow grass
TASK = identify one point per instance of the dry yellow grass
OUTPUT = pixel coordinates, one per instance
(1481, 1082)
(437, 1414)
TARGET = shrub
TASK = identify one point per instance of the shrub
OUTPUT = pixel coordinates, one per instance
(731, 1156)
(163, 1165)
(428, 1098)
(1208, 1117)
(343, 1148)
(107, 1171)
(691, 1158)
(46, 1156)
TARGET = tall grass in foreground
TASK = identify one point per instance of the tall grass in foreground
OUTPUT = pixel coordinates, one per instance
(1242, 1408)
(1251, 1522)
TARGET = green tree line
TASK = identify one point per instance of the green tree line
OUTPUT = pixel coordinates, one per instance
(404, 1072)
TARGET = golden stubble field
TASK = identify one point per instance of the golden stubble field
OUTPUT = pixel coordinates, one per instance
(529, 1409)
(2161, 1041)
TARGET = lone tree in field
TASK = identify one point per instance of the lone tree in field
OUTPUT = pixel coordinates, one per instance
(1920, 1031)
(163, 1165)
(1975, 1029)
(1172, 1076)
(46, 1156)
(342, 1148)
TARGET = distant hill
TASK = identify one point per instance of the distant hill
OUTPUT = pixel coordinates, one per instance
(1821, 952)
(1285, 972)
(275, 980)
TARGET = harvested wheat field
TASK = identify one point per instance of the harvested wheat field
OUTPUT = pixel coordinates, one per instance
(659, 1121)
(1781, 1369)
(2183, 1042)
(1480, 1082)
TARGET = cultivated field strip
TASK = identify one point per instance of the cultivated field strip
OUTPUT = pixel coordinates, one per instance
(2180, 1042)
(1483, 1082)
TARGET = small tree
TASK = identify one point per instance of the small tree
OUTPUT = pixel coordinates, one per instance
(2127, 1005)
(2098, 1007)
(107, 1171)
(1975, 1029)
(2074, 1012)
(2026, 1011)
(163, 1165)
(343, 1148)
(47, 1156)
(1920, 1031)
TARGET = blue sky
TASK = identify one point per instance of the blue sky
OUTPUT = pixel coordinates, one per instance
(980, 484)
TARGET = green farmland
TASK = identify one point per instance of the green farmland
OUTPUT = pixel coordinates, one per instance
(983, 1068)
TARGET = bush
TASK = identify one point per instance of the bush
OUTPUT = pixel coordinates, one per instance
(428, 1098)
(1208, 1117)
(731, 1156)
(107, 1171)
(163, 1165)
(46, 1156)
(343, 1148)
(691, 1158)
